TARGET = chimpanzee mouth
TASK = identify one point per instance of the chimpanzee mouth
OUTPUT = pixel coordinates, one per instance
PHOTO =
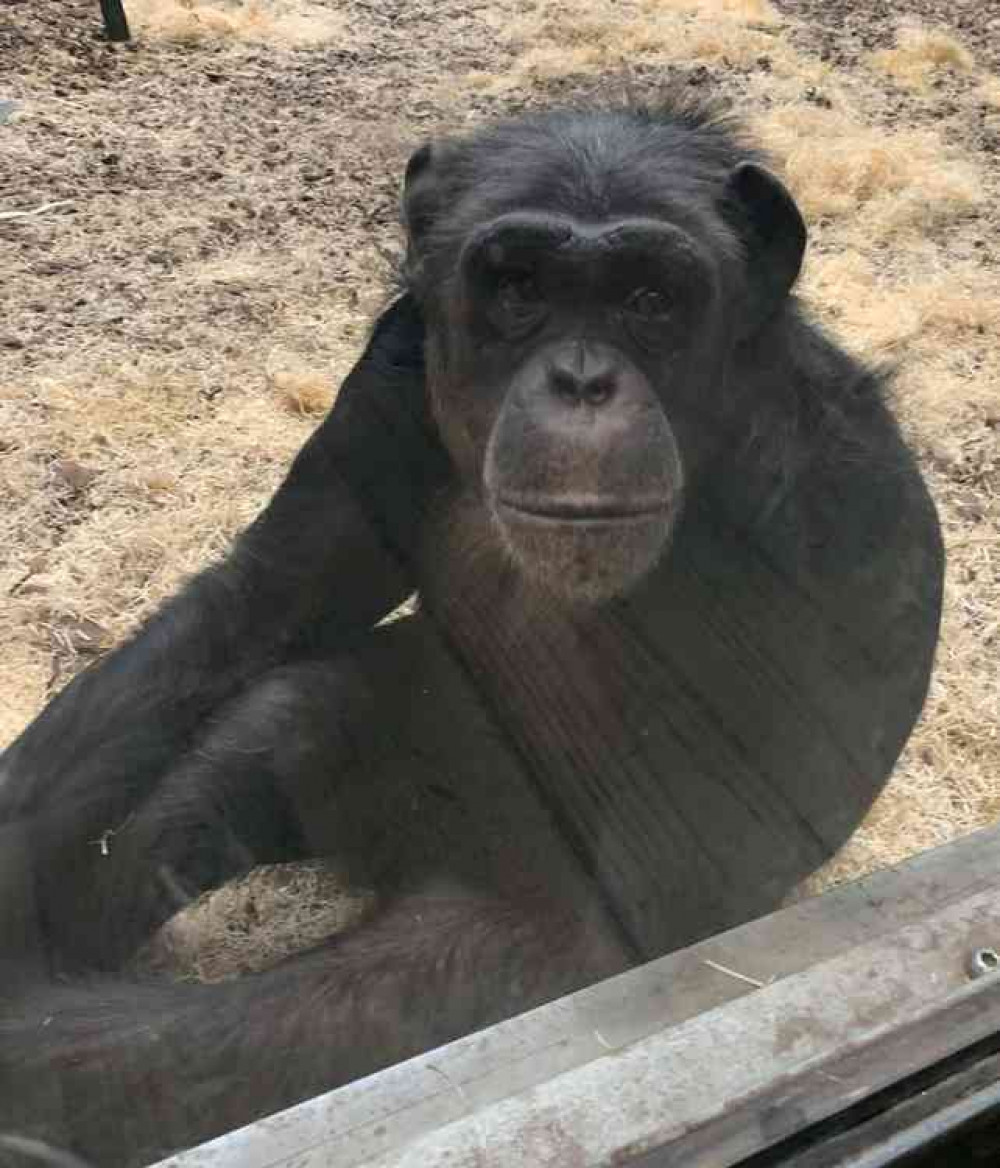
(592, 510)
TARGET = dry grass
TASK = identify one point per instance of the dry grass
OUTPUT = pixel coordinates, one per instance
(903, 182)
(989, 90)
(224, 934)
(758, 12)
(559, 38)
(161, 502)
(177, 453)
(295, 23)
(921, 54)
(307, 392)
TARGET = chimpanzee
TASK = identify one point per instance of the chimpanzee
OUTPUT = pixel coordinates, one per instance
(679, 584)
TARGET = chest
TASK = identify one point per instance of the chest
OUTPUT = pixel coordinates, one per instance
(705, 745)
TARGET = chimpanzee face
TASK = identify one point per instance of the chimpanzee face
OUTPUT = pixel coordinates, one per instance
(576, 335)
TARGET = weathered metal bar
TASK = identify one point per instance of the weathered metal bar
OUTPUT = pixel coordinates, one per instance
(949, 1101)
(954, 1118)
(684, 1061)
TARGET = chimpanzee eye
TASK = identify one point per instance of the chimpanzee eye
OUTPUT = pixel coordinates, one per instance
(649, 306)
(519, 301)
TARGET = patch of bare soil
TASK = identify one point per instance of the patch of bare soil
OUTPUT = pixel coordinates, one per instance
(220, 221)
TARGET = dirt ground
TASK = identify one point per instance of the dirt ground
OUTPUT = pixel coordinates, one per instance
(216, 220)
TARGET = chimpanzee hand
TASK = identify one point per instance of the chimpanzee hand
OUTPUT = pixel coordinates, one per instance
(379, 440)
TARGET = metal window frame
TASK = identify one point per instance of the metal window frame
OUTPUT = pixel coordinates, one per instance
(702, 1058)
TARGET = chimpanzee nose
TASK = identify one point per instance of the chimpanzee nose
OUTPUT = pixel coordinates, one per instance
(583, 374)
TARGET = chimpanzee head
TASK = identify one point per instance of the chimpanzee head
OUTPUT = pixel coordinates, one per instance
(586, 279)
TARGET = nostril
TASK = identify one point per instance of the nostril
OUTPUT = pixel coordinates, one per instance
(591, 382)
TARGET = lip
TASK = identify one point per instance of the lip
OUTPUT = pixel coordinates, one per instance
(582, 511)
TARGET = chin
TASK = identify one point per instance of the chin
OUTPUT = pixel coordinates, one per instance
(584, 560)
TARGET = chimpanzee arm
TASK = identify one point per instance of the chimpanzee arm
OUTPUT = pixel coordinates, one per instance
(176, 1064)
(332, 548)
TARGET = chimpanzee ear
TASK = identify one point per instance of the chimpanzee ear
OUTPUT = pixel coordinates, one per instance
(420, 193)
(774, 236)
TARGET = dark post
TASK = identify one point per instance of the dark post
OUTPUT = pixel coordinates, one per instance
(115, 23)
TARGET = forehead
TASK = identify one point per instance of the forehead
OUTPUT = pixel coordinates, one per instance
(595, 169)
